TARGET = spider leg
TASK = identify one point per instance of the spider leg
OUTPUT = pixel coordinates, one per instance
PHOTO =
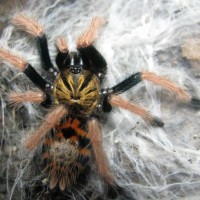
(63, 52)
(24, 66)
(116, 100)
(17, 98)
(95, 136)
(91, 57)
(31, 73)
(36, 30)
(94, 132)
(50, 121)
(90, 34)
(168, 85)
(93, 60)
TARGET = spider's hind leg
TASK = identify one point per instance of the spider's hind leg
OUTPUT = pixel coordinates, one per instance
(113, 189)
(94, 133)
(118, 101)
(36, 30)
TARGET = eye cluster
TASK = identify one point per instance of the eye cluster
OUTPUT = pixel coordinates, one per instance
(74, 62)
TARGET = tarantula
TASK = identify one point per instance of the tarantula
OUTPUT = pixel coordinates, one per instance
(71, 133)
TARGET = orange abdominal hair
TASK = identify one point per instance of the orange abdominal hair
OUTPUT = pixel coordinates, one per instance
(27, 24)
(51, 120)
(168, 85)
(88, 37)
(16, 61)
(17, 98)
(118, 101)
(100, 156)
(62, 44)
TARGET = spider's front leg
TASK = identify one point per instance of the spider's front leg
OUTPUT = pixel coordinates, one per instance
(91, 57)
(33, 96)
(36, 30)
(63, 52)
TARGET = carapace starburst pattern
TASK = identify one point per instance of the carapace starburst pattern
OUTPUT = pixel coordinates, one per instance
(71, 132)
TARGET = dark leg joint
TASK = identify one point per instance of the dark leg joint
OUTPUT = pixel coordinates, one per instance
(157, 122)
(35, 77)
(106, 106)
(195, 102)
(53, 71)
(48, 101)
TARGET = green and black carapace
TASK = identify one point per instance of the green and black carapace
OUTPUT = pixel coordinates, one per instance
(77, 101)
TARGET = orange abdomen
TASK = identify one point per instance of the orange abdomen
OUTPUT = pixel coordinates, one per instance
(67, 153)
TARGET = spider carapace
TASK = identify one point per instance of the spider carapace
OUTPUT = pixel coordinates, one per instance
(77, 87)
(70, 134)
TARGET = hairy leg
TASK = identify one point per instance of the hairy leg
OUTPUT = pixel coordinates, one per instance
(94, 132)
(165, 83)
(32, 27)
(91, 57)
(50, 121)
(63, 52)
(116, 100)
(17, 98)
(24, 66)
(88, 37)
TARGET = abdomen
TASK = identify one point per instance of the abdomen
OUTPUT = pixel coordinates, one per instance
(67, 153)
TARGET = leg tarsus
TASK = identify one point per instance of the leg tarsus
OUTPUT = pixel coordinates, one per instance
(195, 102)
(157, 122)
(168, 85)
(117, 100)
